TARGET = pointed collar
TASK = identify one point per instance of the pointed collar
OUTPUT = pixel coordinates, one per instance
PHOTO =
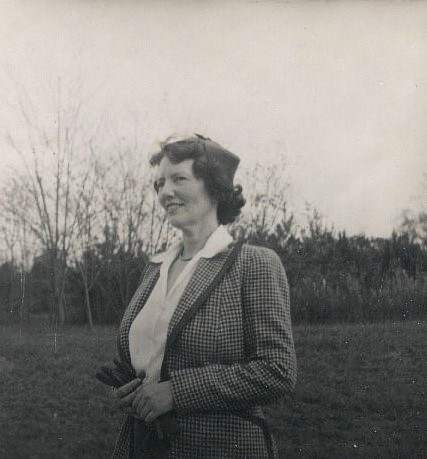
(217, 242)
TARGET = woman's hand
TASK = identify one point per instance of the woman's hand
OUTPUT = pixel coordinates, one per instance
(151, 400)
(126, 394)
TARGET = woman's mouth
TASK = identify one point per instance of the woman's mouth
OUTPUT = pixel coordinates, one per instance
(173, 206)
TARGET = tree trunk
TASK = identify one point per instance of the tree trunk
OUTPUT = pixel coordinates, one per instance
(61, 308)
(88, 307)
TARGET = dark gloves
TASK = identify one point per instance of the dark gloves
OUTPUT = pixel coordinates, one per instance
(165, 425)
(120, 374)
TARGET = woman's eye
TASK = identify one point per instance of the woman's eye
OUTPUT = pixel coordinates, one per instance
(179, 179)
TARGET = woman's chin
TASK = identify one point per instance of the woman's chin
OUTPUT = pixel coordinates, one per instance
(175, 221)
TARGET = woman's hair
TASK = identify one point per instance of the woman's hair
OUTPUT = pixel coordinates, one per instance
(207, 168)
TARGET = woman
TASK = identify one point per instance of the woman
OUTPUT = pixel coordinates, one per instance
(209, 328)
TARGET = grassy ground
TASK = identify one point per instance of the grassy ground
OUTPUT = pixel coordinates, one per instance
(360, 393)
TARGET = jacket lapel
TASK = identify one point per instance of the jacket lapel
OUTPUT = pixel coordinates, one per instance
(149, 277)
(206, 276)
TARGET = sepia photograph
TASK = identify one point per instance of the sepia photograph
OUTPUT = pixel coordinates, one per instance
(213, 229)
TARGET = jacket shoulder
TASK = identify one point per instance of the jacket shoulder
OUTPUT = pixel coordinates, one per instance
(258, 257)
(258, 253)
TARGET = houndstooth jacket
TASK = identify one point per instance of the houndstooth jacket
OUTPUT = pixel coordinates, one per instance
(229, 350)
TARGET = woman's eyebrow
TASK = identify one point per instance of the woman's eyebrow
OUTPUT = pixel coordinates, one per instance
(174, 174)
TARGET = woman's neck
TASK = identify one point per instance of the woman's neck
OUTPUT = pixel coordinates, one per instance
(195, 238)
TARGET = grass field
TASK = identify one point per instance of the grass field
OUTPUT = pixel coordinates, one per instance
(360, 393)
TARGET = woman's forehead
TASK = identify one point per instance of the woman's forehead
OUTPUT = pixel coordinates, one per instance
(166, 167)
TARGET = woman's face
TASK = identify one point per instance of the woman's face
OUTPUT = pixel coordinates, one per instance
(182, 195)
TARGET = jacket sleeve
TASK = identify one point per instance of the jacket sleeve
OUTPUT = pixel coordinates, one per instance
(269, 371)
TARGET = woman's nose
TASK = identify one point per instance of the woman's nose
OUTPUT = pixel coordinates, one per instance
(167, 190)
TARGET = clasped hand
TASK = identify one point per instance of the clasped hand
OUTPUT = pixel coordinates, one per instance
(145, 401)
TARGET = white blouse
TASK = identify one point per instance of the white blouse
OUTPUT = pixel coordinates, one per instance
(148, 332)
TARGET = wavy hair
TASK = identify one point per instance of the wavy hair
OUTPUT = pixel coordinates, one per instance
(229, 198)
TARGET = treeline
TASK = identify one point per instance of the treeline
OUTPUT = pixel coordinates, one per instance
(80, 218)
(332, 276)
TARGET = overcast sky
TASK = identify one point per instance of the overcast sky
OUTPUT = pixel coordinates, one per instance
(339, 87)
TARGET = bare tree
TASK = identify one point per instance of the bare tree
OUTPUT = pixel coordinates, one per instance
(127, 211)
(41, 198)
(266, 191)
(86, 213)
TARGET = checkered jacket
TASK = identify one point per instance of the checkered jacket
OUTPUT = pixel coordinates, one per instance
(229, 350)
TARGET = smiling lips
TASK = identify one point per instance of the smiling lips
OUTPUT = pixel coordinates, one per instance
(173, 206)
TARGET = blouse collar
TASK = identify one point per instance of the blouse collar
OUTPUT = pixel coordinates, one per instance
(217, 242)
